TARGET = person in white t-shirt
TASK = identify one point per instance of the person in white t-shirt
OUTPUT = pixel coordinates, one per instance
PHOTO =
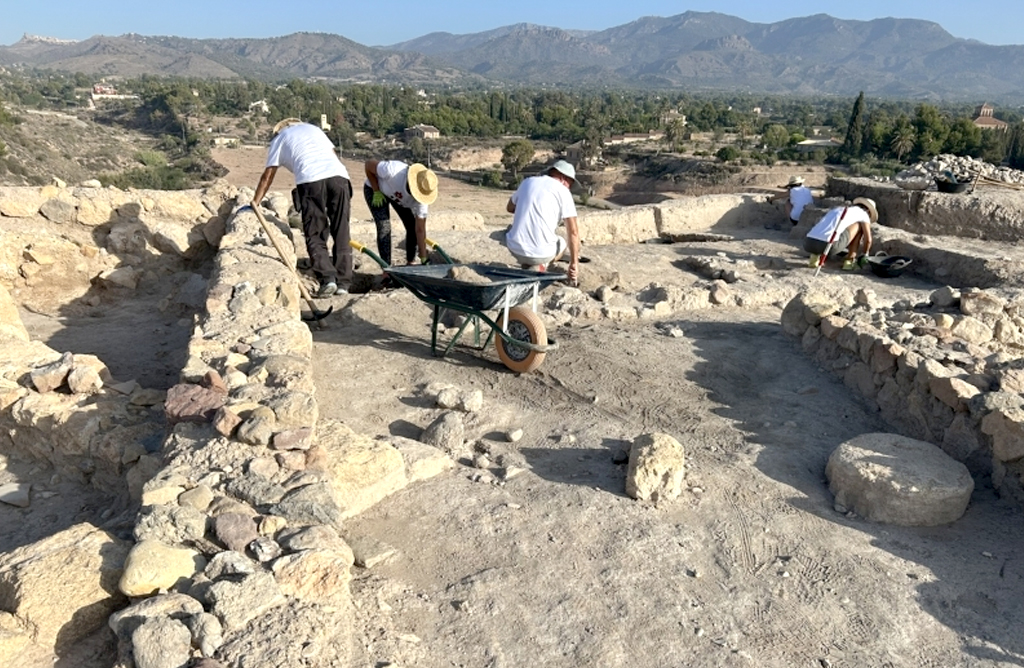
(849, 230)
(797, 197)
(323, 195)
(408, 189)
(539, 205)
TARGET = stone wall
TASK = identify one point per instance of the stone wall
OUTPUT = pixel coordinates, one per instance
(249, 502)
(676, 219)
(988, 213)
(949, 372)
(238, 539)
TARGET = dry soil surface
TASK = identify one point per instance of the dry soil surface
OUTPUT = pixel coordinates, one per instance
(556, 566)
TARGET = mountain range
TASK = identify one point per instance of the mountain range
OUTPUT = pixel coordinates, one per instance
(820, 54)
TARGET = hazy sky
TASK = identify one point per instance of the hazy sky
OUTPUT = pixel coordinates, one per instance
(390, 21)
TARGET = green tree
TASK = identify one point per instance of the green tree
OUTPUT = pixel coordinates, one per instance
(964, 138)
(1015, 152)
(727, 153)
(676, 132)
(853, 146)
(932, 130)
(516, 155)
(904, 138)
(776, 136)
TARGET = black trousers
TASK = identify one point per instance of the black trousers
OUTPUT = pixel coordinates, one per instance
(326, 206)
(382, 219)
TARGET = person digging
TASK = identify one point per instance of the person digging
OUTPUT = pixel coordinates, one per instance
(844, 229)
(323, 197)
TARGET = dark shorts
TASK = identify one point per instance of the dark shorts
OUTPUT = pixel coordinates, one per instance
(817, 246)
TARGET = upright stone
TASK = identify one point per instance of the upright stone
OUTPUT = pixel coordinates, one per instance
(657, 466)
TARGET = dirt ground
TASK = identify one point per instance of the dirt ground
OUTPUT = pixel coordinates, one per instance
(558, 567)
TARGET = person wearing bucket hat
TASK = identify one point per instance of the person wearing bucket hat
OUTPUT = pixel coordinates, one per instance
(408, 189)
(538, 206)
(843, 229)
(323, 196)
(797, 196)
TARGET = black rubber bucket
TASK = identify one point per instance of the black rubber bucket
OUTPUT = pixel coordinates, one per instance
(888, 266)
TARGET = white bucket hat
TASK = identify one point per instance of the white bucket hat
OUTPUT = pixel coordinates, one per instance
(422, 184)
(795, 181)
(565, 169)
(868, 204)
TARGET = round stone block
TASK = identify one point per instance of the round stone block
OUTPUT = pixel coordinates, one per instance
(898, 480)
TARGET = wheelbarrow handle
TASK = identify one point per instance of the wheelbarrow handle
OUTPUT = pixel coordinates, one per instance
(366, 251)
(433, 245)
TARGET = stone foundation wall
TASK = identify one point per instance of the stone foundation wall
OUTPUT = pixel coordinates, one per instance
(238, 537)
(989, 213)
(676, 219)
(951, 376)
(248, 505)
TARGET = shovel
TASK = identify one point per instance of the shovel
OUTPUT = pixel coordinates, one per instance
(317, 315)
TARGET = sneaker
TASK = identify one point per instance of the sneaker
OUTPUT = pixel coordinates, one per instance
(813, 262)
(327, 289)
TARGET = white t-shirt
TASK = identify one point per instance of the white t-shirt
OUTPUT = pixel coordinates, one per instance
(541, 203)
(391, 177)
(799, 197)
(306, 152)
(823, 230)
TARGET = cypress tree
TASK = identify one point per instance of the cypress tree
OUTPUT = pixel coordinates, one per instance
(853, 147)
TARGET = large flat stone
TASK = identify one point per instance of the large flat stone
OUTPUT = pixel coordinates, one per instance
(898, 480)
(362, 470)
(64, 587)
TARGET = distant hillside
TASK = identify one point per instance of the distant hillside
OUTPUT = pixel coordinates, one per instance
(817, 54)
(300, 54)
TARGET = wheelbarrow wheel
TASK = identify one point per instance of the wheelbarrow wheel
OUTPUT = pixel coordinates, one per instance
(523, 325)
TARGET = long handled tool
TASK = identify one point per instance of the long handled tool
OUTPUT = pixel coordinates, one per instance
(831, 240)
(317, 315)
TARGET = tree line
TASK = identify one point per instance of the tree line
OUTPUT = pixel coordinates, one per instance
(882, 130)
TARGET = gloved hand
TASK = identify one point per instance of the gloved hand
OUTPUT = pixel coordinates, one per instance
(243, 208)
(377, 200)
(425, 259)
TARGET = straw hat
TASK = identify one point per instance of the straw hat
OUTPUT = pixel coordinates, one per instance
(283, 124)
(795, 181)
(422, 184)
(868, 204)
(565, 169)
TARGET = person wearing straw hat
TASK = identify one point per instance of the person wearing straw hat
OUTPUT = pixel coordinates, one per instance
(538, 206)
(408, 189)
(797, 197)
(843, 229)
(323, 196)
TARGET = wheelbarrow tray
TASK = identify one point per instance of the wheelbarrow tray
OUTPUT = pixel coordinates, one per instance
(430, 283)
(506, 289)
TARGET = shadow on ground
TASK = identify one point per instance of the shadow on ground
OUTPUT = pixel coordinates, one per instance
(798, 414)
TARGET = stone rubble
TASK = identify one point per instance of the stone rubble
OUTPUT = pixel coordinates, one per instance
(962, 167)
(246, 458)
(935, 373)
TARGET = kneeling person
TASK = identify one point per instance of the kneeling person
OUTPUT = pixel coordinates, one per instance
(539, 205)
(848, 228)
